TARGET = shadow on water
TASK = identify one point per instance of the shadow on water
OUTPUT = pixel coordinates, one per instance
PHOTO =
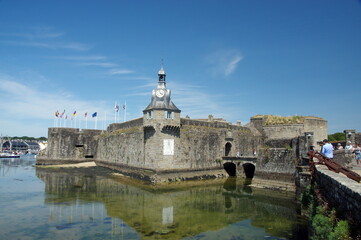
(220, 209)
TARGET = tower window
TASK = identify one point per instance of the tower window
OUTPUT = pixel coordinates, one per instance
(149, 115)
(169, 115)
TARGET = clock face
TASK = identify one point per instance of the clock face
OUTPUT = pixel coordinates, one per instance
(159, 93)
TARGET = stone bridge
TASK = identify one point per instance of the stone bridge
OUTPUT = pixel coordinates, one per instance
(240, 166)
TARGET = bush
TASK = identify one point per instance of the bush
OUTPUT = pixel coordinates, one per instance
(322, 226)
(341, 231)
(307, 196)
(339, 136)
(325, 225)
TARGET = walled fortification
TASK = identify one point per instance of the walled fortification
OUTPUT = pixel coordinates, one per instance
(277, 127)
(161, 142)
(69, 145)
(203, 143)
(341, 193)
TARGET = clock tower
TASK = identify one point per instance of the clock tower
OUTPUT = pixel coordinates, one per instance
(161, 124)
(161, 106)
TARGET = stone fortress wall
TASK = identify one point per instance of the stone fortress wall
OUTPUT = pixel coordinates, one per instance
(69, 145)
(340, 192)
(276, 127)
(136, 146)
(162, 142)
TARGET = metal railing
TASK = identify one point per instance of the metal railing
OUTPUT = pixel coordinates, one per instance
(331, 165)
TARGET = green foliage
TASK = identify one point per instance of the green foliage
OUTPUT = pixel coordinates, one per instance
(324, 223)
(288, 147)
(26, 138)
(307, 196)
(339, 136)
(341, 231)
(321, 225)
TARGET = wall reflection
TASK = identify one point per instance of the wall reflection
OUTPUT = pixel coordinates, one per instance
(169, 211)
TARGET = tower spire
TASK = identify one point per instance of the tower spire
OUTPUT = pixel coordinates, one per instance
(161, 76)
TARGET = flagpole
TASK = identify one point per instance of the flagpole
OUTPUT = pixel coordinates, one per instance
(105, 120)
(115, 112)
(86, 122)
(96, 122)
(125, 111)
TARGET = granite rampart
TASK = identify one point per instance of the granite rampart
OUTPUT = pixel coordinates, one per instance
(278, 158)
(343, 157)
(358, 138)
(129, 124)
(123, 146)
(202, 146)
(276, 164)
(212, 124)
(69, 145)
(340, 192)
(317, 126)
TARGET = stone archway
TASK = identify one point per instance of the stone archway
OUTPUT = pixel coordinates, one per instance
(249, 170)
(227, 149)
(230, 168)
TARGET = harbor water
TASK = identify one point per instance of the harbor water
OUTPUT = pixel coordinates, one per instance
(93, 203)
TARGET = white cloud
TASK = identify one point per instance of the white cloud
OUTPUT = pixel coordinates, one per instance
(81, 58)
(98, 64)
(120, 71)
(224, 62)
(196, 103)
(41, 37)
(27, 106)
(57, 45)
(232, 65)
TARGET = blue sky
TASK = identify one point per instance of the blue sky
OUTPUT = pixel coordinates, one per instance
(232, 59)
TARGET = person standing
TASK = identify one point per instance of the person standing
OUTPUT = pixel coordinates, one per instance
(327, 149)
(339, 146)
(348, 145)
(357, 152)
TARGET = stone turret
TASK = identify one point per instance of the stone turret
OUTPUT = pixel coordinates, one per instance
(161, 109)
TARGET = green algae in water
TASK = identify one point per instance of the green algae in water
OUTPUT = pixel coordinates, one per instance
(82, 204)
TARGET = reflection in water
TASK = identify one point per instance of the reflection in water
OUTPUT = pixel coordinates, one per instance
(226, 209)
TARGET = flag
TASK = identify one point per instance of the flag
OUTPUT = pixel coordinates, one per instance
(62, 114)
(94, 114)
(74, 113)
(86, 114)
(116, 108)
(124, 106)
(57, 113)
(66, 116)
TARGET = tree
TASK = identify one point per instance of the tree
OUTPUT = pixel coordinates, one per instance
(339, 136)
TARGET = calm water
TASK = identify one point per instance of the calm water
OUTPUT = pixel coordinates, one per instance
(39, 203)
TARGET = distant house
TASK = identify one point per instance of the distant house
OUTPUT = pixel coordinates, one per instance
(21, 146)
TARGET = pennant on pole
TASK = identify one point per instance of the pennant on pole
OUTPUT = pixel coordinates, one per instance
(94, 114)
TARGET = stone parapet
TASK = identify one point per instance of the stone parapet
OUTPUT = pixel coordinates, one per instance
(129, 124)
(213, 124)
(341, 192)
(276, 163)
(344, 158)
